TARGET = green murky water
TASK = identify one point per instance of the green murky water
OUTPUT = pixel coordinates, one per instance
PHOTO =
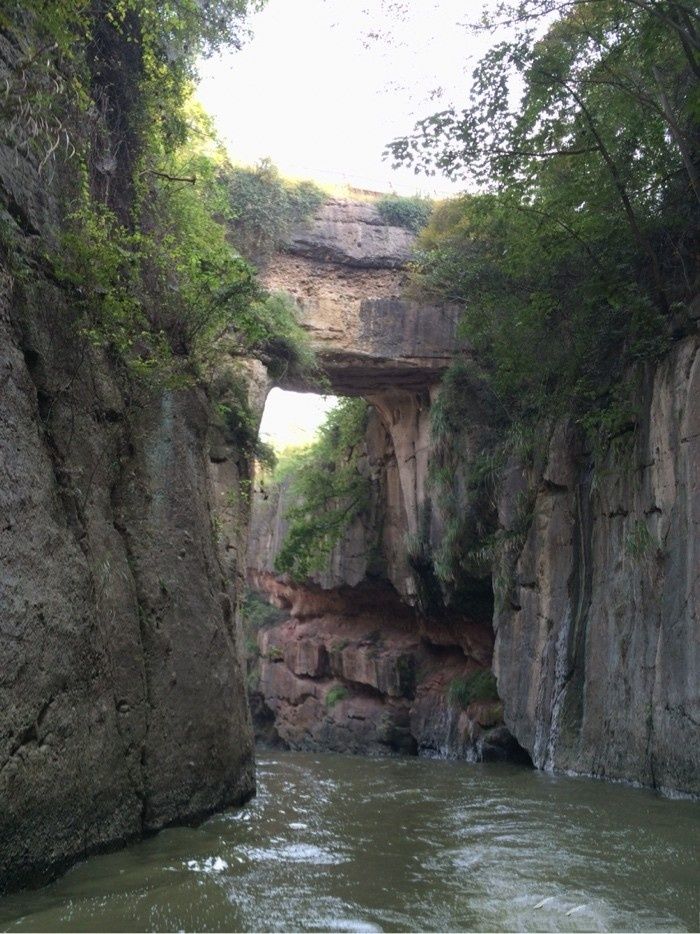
(351, 844)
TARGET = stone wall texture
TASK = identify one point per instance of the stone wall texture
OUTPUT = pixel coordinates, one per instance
(598, 639)
(122, 699)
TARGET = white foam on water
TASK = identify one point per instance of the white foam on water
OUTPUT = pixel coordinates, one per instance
(294, 853)
(351, 925)
(212, 864)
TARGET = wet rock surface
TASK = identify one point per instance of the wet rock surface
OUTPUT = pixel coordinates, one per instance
(598, 640)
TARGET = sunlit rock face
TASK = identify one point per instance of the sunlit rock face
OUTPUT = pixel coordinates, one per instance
(346, 269)
(352, 233)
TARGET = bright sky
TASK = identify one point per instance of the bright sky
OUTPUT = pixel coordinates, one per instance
(321, 88)
(292, 418)
(323, 85)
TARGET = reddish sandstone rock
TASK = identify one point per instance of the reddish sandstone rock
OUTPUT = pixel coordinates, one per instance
(368, 681)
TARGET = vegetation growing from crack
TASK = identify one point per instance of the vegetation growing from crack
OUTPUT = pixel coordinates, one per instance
(144, 251)
(327, 488)
(336, 694)
(478, 686)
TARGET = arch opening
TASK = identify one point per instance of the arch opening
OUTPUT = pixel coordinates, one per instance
(292, 418)
(346, 656)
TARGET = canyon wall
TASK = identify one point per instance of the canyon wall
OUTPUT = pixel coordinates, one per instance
(597, 646)
(593, 617)
(122, 698)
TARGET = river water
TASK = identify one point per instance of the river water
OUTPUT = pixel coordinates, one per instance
(351, 844)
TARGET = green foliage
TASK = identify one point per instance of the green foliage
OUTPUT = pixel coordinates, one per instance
(579, 256)
(144, 249)
(132, 61)
(236, 420)
(463, 480)
(268, 329)
(336, 694)
(264, 208)
(520, 282)
(160, 297)
(479, 686)
(257, 613)
(429, 594)
(639, 542)
(411, 213)
(99, 260)
(327, 488)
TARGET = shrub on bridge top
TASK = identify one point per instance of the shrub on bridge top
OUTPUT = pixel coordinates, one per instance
(265, 207)
(411, 213)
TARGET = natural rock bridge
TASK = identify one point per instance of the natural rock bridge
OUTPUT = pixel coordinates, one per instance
(347, 269)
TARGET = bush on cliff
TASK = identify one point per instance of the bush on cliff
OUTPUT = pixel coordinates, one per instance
(479, 686)
(104, 89)
(336, 694)
(411, 213)
(265, 207)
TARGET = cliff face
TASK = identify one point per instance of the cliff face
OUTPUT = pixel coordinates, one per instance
(597, 638)
(355, 667)
(595, 623)
(122, 700)
(353, 670)
(345, 268)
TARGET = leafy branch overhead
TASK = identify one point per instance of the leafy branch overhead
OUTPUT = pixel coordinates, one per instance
(608, 114)
(583, 134)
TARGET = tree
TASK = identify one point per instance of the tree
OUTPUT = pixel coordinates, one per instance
(609, 109)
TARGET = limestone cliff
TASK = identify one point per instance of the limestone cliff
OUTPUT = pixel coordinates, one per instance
(122, 700)
(597, 634)
(345, 270)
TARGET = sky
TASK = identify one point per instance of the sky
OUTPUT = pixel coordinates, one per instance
(292, 418)
(321, 87)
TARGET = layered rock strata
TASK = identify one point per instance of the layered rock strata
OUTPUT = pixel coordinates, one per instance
(345, 268)
(595, 620)
(351, 670)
